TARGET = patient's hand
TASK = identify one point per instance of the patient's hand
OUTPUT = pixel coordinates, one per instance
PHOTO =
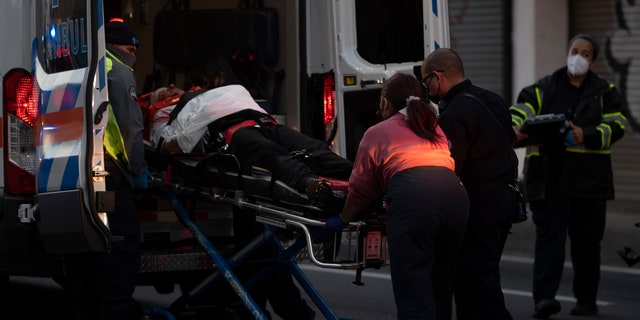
(171, 147)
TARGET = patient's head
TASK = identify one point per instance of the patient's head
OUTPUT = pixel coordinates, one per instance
(164, 93)
(213, 72)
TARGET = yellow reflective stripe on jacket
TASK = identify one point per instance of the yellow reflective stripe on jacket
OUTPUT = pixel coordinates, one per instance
(616, 117)
(520, 112)
(113, 141)
(581, 149)
(525, 110)
(532, 151)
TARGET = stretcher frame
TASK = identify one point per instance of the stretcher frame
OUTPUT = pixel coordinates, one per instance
(271, 216)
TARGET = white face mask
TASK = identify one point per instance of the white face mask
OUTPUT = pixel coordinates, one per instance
(577, 65)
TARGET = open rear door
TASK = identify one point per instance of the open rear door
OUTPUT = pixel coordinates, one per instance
(387, 37)
(71, 84)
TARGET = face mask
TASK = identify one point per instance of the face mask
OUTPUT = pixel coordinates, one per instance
(577, 65)
(434, 98)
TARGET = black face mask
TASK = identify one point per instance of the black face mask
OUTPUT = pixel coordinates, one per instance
(434, 98)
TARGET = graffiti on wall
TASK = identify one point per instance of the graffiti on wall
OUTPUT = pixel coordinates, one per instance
(621, 54)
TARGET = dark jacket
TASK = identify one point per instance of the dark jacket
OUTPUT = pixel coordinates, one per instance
(583, 170)
(480, 135)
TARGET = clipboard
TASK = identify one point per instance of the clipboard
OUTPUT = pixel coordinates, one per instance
(540, 129)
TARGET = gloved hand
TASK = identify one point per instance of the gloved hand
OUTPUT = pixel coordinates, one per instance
(335, 223)
(141, 182)
(568, 139)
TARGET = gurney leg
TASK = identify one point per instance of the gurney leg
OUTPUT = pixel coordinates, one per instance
(217, 258)
(285, 259)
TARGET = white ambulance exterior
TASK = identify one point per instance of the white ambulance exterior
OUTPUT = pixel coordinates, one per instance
(55, 96)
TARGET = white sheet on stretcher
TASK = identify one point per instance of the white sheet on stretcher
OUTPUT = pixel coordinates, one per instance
(191, 123)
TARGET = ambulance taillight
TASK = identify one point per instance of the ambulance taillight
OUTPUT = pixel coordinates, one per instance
(328, 96)
(329, 106)
(20, 113)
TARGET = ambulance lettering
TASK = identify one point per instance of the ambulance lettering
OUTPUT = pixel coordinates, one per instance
(66, 44)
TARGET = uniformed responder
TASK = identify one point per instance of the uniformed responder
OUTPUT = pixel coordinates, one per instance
(111, 277)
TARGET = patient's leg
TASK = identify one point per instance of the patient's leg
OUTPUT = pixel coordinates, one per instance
(256, 146)
(323, 161)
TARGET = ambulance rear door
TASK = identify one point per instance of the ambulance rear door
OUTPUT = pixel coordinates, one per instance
(71, 87)
(370, 41)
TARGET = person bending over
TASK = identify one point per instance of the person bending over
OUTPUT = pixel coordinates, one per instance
(406, 159)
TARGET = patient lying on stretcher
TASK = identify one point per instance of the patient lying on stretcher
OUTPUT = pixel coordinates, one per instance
(224, 113)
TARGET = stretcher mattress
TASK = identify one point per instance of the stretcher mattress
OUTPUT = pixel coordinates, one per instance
(217, 173)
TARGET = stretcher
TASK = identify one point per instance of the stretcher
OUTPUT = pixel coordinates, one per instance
(277, 207)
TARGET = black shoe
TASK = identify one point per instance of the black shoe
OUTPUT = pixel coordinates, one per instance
(546, 308)
(320, 195)
(584, 310)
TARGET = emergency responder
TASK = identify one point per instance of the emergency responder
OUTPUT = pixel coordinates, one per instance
(111, 277)
(476, 121)
(569, 179)
(406, 159)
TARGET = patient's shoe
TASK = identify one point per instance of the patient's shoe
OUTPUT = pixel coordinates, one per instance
(320, 195)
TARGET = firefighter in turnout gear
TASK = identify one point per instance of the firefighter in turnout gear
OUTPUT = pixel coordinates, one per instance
(569, 178)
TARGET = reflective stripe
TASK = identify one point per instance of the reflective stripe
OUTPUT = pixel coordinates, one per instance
(539, 99)
(616, 117)
(60, 128)
(605, 135)
(581, 149)
(532, 151)
(49, 177)
(113, 141)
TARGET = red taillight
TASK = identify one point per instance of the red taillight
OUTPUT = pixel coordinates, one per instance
(21, 110)
(328, 96)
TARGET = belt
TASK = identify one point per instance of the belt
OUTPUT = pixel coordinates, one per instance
(228, 132)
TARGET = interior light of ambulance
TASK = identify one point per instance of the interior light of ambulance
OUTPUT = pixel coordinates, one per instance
(329, 92)
(21, 110)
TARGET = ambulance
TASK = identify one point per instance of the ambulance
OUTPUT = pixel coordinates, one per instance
(335, 55)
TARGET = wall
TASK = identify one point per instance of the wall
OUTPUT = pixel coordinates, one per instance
(540, 33)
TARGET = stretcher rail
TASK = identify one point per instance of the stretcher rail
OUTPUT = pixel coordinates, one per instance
(275, 206)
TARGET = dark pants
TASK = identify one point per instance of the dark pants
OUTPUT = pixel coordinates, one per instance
(102, 284)
(584, 221)
(270, 147)
(428, 211)
(478, 292)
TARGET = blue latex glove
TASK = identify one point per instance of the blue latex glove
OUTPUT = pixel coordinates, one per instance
(141, 182)
(335, 223)
(568, 139)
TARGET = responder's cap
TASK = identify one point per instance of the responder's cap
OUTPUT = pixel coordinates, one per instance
(117, 32)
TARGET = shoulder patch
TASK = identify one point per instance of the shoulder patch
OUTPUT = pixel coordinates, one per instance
(132, 93)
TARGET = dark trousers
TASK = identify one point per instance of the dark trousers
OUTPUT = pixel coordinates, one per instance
(478, 291)
(428, 211)
(584, 221)
(102, 284)
(270, 147)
